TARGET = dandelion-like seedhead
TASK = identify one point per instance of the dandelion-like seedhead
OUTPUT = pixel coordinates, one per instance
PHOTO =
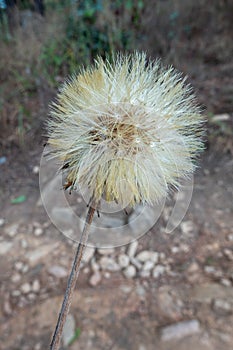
(126, 130)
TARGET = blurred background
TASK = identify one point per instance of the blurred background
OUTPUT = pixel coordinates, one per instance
(177, 294)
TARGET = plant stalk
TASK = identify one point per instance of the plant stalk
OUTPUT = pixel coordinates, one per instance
(55, 343)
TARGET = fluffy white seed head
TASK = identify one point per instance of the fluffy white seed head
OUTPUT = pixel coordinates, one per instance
(126, 130)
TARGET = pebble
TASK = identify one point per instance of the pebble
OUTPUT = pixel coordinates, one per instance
(95, 279)
(34, 256)
(148, 265)
(162, 256)
(2, 222)
(24, 243)
(123, 260)
(57, 271)
(225, 282)
(107, 274)
(19, 265)
(94, 265)
(25, 288)
(136, 263)
(38, 231)
(105, 251)
(109, 264)
(130, 271)
(125, 289)
(5, 247)
(228, 253)
(25, 268)
(36, 286)
(212, 270)
(230, 237)
(175, 250)
(31, 296)
(12, 230)
(86, 270)
(180, 330)
(145, 273)
(36, 169)
(158, 271)
(7, 308)
(16, 293)
(140, 291)
(186, 227)
(16, 277)
(148, 255)
(222, 306)
(132, 249)
(88, 254)
(68, 330)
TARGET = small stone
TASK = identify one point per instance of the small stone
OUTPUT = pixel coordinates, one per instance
(7, 308)
(88, 254)
(31, 296)
(140, 291)
(148, 255)
(225, 282)
(228, 253)
(186, 227)
(136, 263)
(94, 266)
(95, 279)
(107, 274)
(19, 265)
(11, 230)
(175, 250)
(123, 260)
(148, 265)
(109, 264)
(5, 247)
(222, 306)
(25, 288)
(34, 256)
(36, 286)
(125, 289)
(57, 271)
(25, 268)
(158, 271)
(130, 271)
(180, 330)
(86, 270)
(38, 231)
(24, 243)
(2, 222)
(212, 271)
(162, 256)
(16, 277)
(68, 330)
(145, 273)
(132, 249)
(16, 293)
(230, 237)
(36, 169)
(105, 251)
(193, 267)
(38, 346)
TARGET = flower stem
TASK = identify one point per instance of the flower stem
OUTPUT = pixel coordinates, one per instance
(72, 281)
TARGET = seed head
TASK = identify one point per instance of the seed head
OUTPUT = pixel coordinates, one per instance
(126, 130)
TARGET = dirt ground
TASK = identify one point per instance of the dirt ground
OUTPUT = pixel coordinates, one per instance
(122, 313)
(190, 303)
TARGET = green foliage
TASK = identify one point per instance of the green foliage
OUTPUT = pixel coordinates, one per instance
(76, 336)
(91, 28)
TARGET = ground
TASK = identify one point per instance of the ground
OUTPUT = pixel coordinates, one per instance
(116, 312)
